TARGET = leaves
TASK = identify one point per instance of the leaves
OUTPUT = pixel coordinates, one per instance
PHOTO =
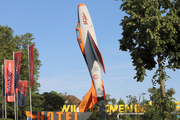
(155, 111)
(53, 101)
(151, 29)
(10, 44)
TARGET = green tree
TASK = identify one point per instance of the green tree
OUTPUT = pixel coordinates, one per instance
(132, 100)
(155, 112)
(135, 100)
(107, 100)
(151, 34)
(10, 44)
(113, 101)
(121, 101)
(53, 101)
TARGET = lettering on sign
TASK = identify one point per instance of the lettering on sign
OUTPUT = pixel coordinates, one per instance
(55, 115)
(83, 104)
(84, 18)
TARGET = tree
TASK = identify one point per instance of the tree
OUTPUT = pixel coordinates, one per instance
(121, 101)
(151, 31)
(113, 101)
(154, 111)
(133, 100)
(10, 44)
(53, 101)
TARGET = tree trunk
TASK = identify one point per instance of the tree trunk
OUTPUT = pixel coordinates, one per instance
(162, 84)
(163, 97)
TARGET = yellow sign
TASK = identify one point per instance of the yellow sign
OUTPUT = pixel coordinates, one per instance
(120, 108)
(69, 108)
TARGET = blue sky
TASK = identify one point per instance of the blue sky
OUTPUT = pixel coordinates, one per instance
(53, 24)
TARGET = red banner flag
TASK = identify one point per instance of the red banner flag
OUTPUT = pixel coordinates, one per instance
(22, 88)
(31, 65)
(17, 62)
(9, 81)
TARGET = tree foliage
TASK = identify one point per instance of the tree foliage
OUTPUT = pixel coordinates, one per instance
(151, 31)
(53, 101)
(13, 43)
(121, 101)
(155, 112)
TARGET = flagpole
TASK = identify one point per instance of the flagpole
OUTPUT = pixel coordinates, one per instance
(2, 94)
(29, 85)
(17, 103)
(17, 70)
(30, 102)
(14, 89)
(5, 88)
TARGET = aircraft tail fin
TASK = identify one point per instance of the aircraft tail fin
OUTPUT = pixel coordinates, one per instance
(28, 114)
(90, 99)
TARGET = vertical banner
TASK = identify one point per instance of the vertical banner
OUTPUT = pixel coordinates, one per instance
(17, 67)
(9, 81)
(31, 65)
(22, 88)
(17, 62)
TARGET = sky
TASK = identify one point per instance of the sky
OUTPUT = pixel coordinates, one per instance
(63, 69)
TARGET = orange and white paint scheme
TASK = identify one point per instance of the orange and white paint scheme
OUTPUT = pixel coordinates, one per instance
(88, 44)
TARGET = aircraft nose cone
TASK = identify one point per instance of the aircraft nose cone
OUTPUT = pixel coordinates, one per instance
(82, 4)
